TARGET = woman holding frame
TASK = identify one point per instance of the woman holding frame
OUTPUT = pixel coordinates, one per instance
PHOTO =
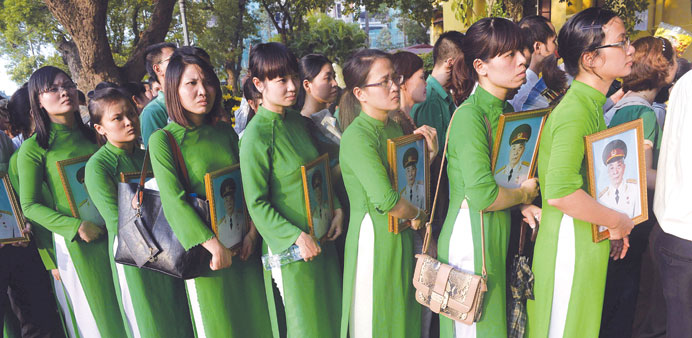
(276, 143)
(227, 300)
(152, 304)
(492, 59)
(378, 295)
(570, 269)
(81, 254)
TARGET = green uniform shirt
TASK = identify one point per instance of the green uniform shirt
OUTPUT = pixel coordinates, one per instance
(154, 116)
(652, 131)
(42, 236)
(436, 110)
(562, 171)
(470, 178)
(158, 301)
(217, 309)
(36, 166)
(365, 170)
(272, 150)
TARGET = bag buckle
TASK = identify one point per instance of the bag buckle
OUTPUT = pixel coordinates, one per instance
(442, 299)
(152, 258)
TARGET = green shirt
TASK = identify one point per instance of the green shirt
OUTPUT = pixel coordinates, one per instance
(652, 131)
(365, 170)
(471, 179)
(436, 110)
(562, 171)
(43, 237)
(272, 150)
(36, 166)
(154, 116)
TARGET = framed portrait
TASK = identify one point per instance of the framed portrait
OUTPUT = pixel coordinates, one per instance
(11, 216)
(319, 203)
(229, 216)
(617, 172)
(72, 176)
(515, 149)
(410, 174)
(133, 176)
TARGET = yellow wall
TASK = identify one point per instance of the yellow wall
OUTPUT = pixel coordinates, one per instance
(674, 12)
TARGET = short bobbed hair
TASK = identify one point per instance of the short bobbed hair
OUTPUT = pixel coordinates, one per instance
(174, 74)
(653, 58)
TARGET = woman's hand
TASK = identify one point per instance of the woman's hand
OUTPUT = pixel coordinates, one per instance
(531, 213)
(308, 247)
(619, 240)
(420, 220)
(530, 190)
(56, 274)
(89, 232)
(221, 256)
(249, 242)
(337, 226)
(430, 135)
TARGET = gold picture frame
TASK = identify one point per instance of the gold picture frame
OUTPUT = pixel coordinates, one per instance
(133, 176)
(69, 171)
(397, 149)
(598, 146)
(9, 201)
(534, 120)
(310, 174)
(216, 184)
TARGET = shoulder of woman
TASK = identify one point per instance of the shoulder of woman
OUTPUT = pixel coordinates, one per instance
(101, 160)
(30, 146)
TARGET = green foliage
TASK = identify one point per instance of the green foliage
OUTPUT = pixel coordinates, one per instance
(384, 40)
(414, 31)
(627, 10)
(331, 37)
(427, 62)
(126, 20)
(465, 12)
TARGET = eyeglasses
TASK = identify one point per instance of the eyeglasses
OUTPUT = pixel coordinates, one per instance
(164, 60)
(56, 89)
(387, 83)
(625, 45)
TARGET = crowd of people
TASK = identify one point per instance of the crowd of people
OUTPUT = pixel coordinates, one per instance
(357, 280)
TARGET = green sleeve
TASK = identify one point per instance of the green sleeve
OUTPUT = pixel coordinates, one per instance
(30, 164)
(651, 129)
(566, 155)
(151, 119)
(256, 170)
(374, 178)
(182, 217)
(470, 140)
(43, 237)
(103, 191)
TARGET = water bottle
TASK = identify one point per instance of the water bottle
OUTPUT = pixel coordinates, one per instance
(274, 261)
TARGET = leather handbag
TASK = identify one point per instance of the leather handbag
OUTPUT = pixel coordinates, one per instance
(455, 294)
(145, 238)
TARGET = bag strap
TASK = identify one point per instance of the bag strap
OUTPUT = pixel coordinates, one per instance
(179, 166)
(428, 226)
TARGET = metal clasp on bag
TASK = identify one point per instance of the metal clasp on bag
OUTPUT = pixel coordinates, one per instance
(152, 258)
(442, 299)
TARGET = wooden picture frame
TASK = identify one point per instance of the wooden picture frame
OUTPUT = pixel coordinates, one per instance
(133, 176)
(69, 171)
(319, 219)
(397, 149)
(9, 206)
(605, 148)
(517, 128)
(217, 184)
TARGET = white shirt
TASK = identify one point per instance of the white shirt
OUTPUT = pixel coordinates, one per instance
(623, 198)
(518, 100)
(415, 194)
(519, 174)
(674, 172)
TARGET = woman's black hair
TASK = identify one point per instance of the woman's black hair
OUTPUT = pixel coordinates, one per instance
(484, 40)
(39, 81)
(554, 77)
(535, 28)
(271, 60)
(581, 34)
(103, 97)
(356, 71)
(310, 67)
(20, 112)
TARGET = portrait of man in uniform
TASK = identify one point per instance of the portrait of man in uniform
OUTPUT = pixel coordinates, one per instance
(319, 208)
(230, 227)
(622, 193)
(516, 171)
(414, 190)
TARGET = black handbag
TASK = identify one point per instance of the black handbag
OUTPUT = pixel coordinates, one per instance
(145, 239)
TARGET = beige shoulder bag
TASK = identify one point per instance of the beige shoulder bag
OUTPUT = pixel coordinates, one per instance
(453, 293)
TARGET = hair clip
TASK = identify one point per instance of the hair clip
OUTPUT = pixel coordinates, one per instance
(592, 26)
(663, 44)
